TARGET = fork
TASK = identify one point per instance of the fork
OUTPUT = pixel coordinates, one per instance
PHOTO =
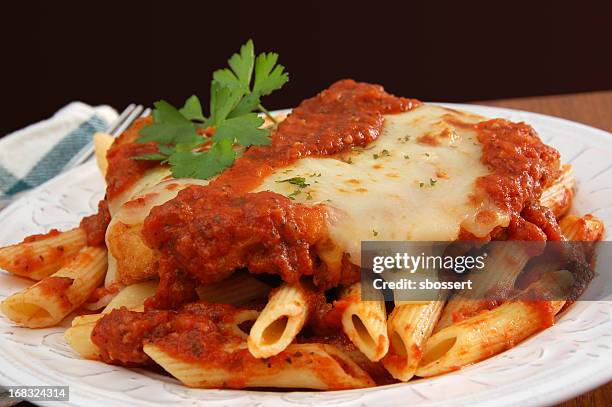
(125, 119)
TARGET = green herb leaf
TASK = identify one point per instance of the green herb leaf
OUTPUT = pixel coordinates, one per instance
(165, 149)
(238, 76)
(203, 165)
(245, 129)
(222, 101)
(299, 181)
(294, 194)
(151, 157)
(192, 109)
(268, 76)
(169, 126)
(232, 102)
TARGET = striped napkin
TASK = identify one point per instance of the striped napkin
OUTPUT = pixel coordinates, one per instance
(37, 153)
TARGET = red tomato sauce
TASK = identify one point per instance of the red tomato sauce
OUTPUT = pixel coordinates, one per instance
(41, 236)
(56, 287)
(123, 171)
(522, 167)
(95, 225)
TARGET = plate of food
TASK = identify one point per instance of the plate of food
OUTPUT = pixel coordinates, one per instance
(218, 259)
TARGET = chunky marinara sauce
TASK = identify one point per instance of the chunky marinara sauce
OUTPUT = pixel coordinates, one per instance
(95, 225)
(521, 167)
(210, 231)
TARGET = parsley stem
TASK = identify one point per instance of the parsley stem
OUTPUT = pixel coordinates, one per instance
(268, 115)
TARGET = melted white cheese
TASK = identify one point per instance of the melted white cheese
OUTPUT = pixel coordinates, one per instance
(400, 187)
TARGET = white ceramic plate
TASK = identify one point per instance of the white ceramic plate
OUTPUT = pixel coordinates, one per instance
(568, 359)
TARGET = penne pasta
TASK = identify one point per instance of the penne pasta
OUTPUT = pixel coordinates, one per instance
(47, 302)
(585, 229)
(493, 331)
(304, 366)
(132, 296)
(558, 197)
(504, 263)
(241, 317)
(102, 143)
(39, 256)
(365, 323)
(78, 336)
(409, 326)
(280, 321)
(238, 289)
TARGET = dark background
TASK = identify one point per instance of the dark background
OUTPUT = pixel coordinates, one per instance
(122, 52)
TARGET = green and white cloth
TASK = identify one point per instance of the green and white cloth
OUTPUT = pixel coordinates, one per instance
(39, 152)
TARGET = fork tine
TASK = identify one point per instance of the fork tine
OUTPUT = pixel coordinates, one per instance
(146, 112)
(128, 121)
(113, 126)
(125, 119)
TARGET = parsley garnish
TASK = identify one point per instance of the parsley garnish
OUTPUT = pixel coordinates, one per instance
(403, 139)
(383, 153)
(432, 182)
(294, 194)
(299, 181)
(234, 97)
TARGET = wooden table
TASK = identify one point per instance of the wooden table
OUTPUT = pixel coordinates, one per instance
(594, 109)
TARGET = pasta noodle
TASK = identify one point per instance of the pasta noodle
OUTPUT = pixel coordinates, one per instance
(40, 256)
(78, 335)
(364, 322)
(502, 266)
(493, 331)
(585, 229)
(558, 197)
(307, 366)
(47, 302)
(409, 326)
(236, 290)
(132, 296)
(279, 322)
(241, 317)
(102, 143)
